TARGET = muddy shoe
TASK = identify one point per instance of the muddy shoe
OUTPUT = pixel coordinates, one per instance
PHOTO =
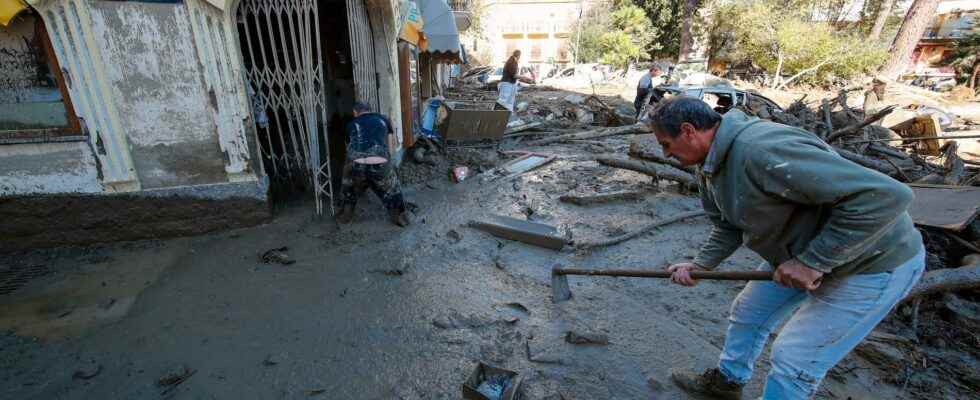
(399, 218)
(711, 382)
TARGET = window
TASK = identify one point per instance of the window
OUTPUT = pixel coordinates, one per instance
(511, 45)
(34, 101)
(564, 54)
(536, 50)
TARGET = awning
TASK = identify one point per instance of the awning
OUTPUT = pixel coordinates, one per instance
(440, 31)
(411, 30)
(9, 9)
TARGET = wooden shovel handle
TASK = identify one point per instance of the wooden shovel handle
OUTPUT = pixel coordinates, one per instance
(637, 273)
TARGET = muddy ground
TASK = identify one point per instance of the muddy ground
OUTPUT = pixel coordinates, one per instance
(373, 311)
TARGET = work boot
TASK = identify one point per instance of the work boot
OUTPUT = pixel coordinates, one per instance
(398, 218)
(711, 382)
(346, 215)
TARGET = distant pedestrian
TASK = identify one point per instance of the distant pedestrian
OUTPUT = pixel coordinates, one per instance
(507, 88)
(368, 166)
(644, 87)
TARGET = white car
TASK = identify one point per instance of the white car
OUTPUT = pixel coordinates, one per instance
(525, 72)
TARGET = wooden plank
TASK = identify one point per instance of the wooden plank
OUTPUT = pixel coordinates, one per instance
(947, 207)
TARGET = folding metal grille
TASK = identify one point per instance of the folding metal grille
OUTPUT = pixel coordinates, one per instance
(283, 67)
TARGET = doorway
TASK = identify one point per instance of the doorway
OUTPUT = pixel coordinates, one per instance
(298, 72)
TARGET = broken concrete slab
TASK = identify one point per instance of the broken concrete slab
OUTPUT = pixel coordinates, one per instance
(522, 231)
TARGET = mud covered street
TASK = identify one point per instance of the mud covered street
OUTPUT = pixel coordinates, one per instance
(373, 311)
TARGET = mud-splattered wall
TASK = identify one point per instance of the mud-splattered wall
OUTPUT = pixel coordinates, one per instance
(138, 82)
(159, 92)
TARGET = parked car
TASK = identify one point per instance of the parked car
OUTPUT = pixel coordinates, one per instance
(526, 72)
(721, 98)
(582, 75)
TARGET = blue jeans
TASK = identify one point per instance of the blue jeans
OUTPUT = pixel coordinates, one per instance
(830, 322)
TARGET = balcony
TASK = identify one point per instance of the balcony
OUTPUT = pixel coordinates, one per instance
(461, 12)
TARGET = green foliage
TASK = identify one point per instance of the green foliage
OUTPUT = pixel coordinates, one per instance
(784, 42)
(665, 20)
(966, 58)
(618, 38)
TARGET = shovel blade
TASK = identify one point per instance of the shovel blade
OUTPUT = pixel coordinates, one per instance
(559, 287)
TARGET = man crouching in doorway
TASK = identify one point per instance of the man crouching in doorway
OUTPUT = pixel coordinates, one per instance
(369, 136)
(837, 235)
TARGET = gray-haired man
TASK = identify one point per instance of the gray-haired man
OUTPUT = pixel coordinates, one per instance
(843, 247)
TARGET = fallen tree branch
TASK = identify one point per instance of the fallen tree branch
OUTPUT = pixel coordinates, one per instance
(803, 72)
(899, 170)
(856, 127)
(656, 155)
(867, 162)
(591, 134)
(659, 171)
(828, 123)
(946, 280)
(964, 242)
(638, 232)
(916, 139)
(608, 109)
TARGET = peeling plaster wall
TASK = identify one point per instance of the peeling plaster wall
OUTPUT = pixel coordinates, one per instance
(164, 108)
(48, 168)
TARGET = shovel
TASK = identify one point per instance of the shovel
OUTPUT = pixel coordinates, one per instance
(561, 292)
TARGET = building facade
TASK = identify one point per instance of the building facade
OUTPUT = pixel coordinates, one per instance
(543, 30)
(129, 120)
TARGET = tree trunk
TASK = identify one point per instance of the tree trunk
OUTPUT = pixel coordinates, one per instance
(687, 38)
(779, 71)
(919, 17)
(973, 78)
(880, 18)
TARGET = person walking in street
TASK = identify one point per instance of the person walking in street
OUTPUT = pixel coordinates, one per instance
(837, 235)
(370, 135)
(643, 88)
(507, 88)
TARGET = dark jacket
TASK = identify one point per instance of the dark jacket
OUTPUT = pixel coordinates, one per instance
(510, 71)
(368, 136)
(786, 194)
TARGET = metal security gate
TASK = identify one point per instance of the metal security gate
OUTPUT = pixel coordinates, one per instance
(284, 70)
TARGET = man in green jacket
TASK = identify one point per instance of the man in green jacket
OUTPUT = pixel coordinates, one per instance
(838, 236)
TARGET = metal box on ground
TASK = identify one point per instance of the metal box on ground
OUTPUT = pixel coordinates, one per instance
(473, 121)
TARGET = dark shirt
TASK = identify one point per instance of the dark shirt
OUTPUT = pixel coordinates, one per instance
(510, 71)
(368, 136)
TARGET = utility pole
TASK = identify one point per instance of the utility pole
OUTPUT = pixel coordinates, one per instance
(578, 34)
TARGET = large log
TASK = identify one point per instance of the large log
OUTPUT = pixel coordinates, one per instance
(946, 280)
(591, 134)
(659, 171)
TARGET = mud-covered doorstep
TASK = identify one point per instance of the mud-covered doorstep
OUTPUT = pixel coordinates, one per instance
(32, 222)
